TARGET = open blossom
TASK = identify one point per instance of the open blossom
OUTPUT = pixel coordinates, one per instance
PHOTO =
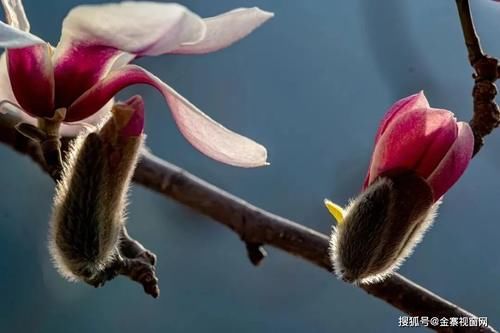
(91, 64)
(419, 153)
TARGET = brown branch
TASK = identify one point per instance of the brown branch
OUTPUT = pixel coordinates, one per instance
(487, 70)
(256, 227)
(471, 38)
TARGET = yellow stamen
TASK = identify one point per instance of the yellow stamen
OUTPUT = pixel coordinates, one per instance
(336, 211)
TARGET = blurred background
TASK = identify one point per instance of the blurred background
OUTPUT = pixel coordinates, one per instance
(311, 85)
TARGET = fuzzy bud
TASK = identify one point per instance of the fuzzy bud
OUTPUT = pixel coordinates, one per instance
(420, 153)
(90, 200)
(381, 227)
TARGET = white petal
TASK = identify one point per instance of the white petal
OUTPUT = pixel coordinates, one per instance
(6, 93)
(14, 12)
(226, 29)
(11, 37)
(141, 28)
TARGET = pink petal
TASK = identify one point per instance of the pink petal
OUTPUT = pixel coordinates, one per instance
(32, 79)
(226, 29)
(103, 33)
(88, 63)
(15, 15)
(32, 54)
(8, 102)
(412, 102)
(454, 162)
(407, 139)
(202, 132)
(438, 148)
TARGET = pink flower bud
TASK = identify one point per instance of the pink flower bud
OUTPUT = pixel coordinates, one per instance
(91, 197)
(131, 113)
(419, 153)
(414, 136)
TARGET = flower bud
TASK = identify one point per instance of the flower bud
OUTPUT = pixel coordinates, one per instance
(90, 200)
(419, 153)
(381, 227)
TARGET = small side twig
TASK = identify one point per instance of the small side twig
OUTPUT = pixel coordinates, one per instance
(50, 146)
(255, 252)
(472, 43)
(139, 263)
(486, 115)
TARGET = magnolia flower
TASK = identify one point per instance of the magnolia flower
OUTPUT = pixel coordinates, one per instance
(420, 152)
(91, 64)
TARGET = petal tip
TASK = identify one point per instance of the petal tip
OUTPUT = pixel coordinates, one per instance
(256, 13)
(263, 13)
(259, 161)
(465, 131)
(225, 29)
(422, 99)
(420, 96)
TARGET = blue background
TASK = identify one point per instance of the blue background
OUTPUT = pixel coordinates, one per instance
(311, 85)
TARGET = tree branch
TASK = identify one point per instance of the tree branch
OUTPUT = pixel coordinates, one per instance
(487, 70)
(256, 227)
(471, 38)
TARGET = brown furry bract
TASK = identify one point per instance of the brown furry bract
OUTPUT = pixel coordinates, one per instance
(381, 227)
(90, 201)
